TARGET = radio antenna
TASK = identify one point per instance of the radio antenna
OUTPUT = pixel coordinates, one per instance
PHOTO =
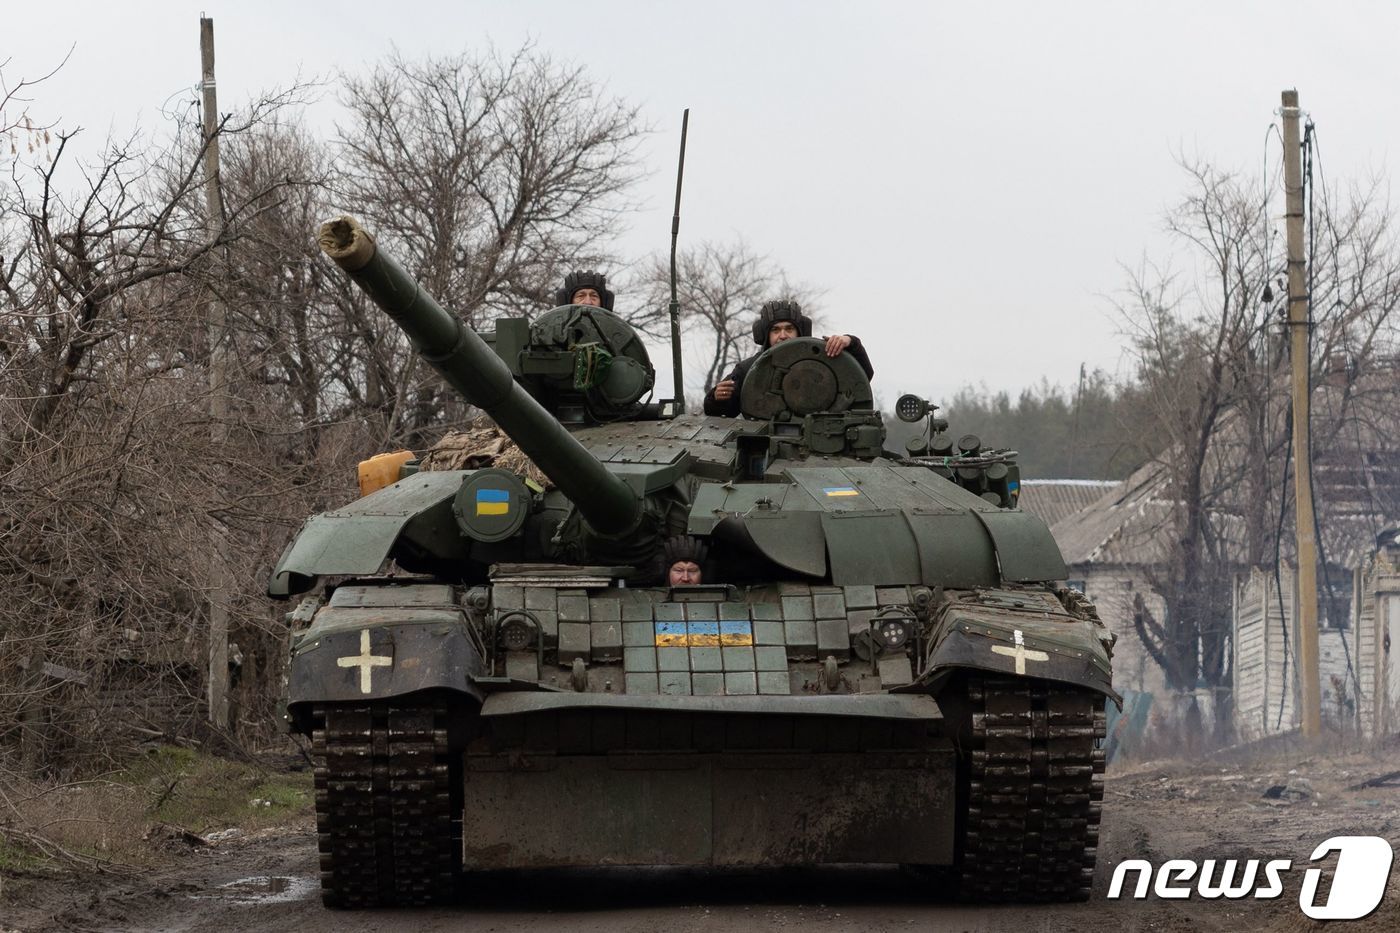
(675, 303)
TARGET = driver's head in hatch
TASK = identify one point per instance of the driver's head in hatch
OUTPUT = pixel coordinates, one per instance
(684, 559)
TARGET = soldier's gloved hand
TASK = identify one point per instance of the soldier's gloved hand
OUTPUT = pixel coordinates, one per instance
(724, 391)
(837, 343)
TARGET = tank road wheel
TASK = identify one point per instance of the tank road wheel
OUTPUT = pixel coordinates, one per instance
(1033, 791)
(389, 827)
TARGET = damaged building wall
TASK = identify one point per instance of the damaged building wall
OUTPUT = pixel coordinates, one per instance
(1113, 590)
(1360, 683)
(1377, 614)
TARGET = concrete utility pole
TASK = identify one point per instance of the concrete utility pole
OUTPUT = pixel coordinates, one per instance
(1298, 326)
(218, 392)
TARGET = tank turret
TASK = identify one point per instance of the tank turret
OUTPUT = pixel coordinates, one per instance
(459, 354)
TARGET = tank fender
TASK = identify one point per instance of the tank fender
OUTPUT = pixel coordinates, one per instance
(1029, 644)
(359, 537)
(364, 654)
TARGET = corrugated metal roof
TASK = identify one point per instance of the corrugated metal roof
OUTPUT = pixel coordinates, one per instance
(1121, 526)
(1054, 499)
(1134, 523)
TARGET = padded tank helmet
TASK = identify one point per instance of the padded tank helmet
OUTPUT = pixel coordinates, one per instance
(677, 548)
(684, 547)
(590, 279)
(774, 311)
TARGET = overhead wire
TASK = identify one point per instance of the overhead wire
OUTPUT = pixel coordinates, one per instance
(1283, 479)
(1278, 576)
(1376, 508)
(1309, 145)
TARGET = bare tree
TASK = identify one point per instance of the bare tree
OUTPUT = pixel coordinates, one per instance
(109, 483)
(16, 125)
(1212, 369)
(721, 287)
(486, 175)
(106, 470)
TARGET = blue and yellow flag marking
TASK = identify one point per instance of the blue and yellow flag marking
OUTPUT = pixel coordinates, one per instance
(670, 635)
(840, 490)
(492, 502)
(736, 632)
(703, 634)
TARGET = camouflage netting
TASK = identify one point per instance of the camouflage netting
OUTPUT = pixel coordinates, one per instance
(483, 445)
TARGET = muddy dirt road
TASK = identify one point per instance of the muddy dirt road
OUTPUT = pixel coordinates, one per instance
(1221, 808)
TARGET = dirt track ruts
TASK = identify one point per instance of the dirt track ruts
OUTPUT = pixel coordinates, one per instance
(266, 882)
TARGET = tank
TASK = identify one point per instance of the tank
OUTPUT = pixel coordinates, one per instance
(881, 665)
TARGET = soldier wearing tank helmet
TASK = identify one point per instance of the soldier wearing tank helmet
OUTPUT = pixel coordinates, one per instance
(683, 557)
(777, 321)
(585, 288)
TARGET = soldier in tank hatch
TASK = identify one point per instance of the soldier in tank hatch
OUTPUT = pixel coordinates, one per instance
(777, 321)
(585, 288)
(683, 556)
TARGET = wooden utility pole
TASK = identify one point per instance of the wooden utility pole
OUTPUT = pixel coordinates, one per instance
(1310, 690)
(218, 392)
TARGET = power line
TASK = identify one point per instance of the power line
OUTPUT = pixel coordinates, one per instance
(1267, 295)
(1309, 141)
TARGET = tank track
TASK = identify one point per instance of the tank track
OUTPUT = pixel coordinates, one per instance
(389, 833)
(1035, 790)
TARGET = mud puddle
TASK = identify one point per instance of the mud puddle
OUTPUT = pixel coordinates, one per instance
(261, 890)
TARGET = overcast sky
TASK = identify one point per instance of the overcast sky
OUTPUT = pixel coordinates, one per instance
(965, 181)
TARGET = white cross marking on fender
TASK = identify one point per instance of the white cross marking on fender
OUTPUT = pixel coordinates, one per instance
(365, 661)
(1020, 653)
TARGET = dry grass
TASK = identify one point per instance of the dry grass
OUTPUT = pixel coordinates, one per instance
(130, 819)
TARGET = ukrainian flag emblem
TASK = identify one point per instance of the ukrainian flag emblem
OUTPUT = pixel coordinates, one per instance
(704, 634)
(492, 502)
(736, 632)
(840, 491)
(670, 635)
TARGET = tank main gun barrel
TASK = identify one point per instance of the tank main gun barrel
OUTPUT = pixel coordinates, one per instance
(469, 366)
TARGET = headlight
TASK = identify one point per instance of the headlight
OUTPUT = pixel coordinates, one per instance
(910, 408)
(517, 633)
(893, 634)
(889, 632)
